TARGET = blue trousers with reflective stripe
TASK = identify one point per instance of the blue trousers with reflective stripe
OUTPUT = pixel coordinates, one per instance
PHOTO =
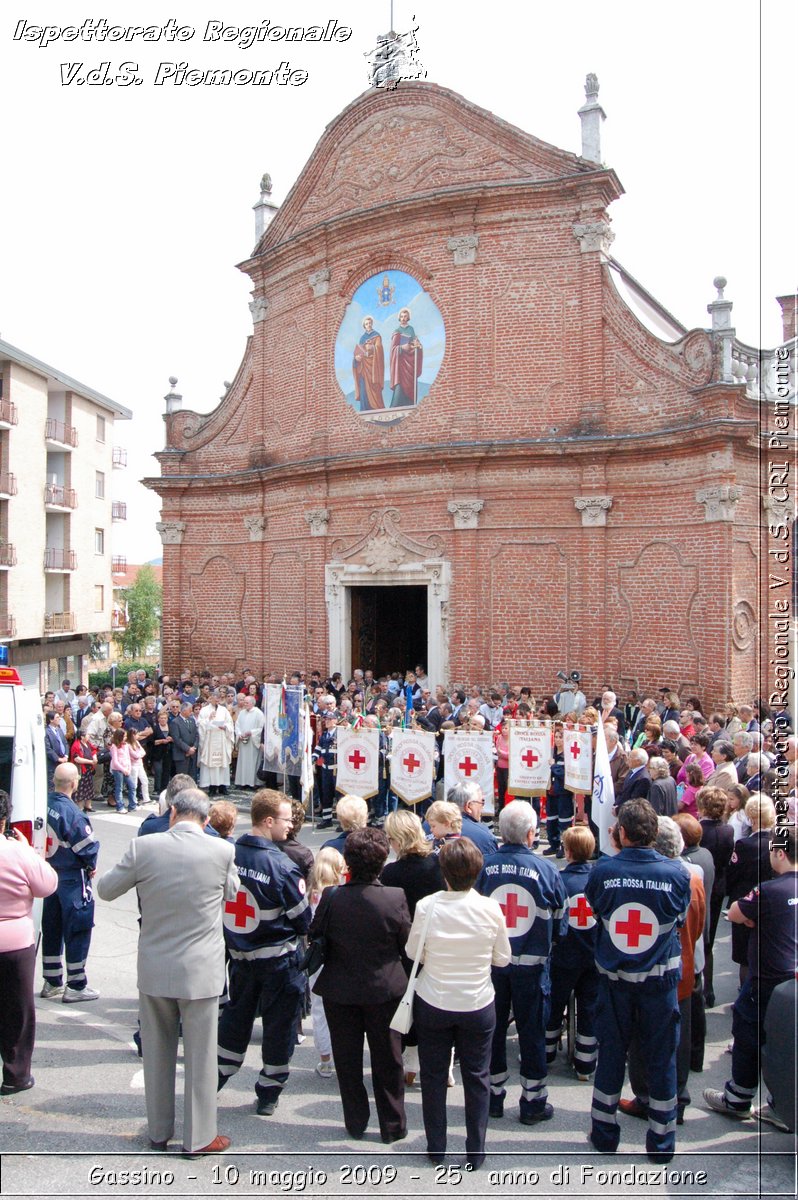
(66, 927)
(748, 1030)
(275, 989)
(650, 1009)
(525, 990)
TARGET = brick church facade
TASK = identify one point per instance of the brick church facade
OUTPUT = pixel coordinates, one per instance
(571, 491)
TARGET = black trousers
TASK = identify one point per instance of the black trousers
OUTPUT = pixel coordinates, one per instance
(471, 1036)
(18, 1024)
(349, 1024)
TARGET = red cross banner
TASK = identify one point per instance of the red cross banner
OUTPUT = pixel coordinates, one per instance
(468, 758)
(412, 764)
(530, 760)
(578, 753)
(358, 771)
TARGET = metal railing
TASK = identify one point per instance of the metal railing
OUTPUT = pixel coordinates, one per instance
(119, 510)
(8, 412)
(8, 555)
(119, 457)
(59, 622)
(118, 564)
(8, 625)
(8, 483)
(59, 431)
(58, 559)
(60, 497)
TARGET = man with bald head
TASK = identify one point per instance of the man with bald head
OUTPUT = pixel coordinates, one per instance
(68, 915)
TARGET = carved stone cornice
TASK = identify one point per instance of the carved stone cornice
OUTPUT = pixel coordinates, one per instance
(720, 503)
(320, 282)
(594, 235)
(171, 532)
(466, 513)
(258, 307)
(594, 509)
(256, 526)
(464, 248)
(318, 520)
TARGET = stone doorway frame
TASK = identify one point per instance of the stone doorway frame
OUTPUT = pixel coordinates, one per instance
(434, 574)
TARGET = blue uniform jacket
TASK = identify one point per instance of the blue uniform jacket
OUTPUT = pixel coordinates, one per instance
(325, 753)
(479, 834)
(71, 845)
(271, 909)
(578, 950)
(639, 900)
(532, 897)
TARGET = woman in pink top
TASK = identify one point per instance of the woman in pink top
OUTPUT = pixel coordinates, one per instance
(501, 743)
(23, 875)
(698, 753)
(695, 781)
(121, 771)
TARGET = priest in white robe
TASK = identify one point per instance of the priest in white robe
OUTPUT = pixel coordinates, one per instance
(249, 727)
(217, 736)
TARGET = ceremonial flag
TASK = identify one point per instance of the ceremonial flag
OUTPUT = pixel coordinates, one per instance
(282, 748)
(529, 760)
(358, 761)
(412, 764)
(578, 753)
(306, 774)
(603, 793)
(468, 758)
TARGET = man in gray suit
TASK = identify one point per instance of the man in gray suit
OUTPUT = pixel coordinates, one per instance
(183, 878)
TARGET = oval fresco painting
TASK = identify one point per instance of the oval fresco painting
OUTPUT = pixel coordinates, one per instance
(390, 347)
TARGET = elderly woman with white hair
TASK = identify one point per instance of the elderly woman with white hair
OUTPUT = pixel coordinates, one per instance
(351, 813)
(670, 843)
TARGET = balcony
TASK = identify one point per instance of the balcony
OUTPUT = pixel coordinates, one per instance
(59, 622)
(56, 496)
(59, 435)
(119, 510)
(8, 555)
(8, 414)
(118, 565)
(8, 626)
(119, 458)
(8, 484)
(57, 559)
(118, 621)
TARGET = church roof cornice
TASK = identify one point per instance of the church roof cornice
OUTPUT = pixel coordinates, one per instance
(699, 432)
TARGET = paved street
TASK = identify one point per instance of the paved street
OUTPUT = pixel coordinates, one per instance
(84, 1122)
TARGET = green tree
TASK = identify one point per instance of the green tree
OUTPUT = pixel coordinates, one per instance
(144, 600)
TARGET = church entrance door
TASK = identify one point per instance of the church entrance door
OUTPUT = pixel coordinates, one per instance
(389, 628)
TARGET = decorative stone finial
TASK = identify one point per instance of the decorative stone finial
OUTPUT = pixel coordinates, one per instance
(266, 185)
(719, 282)
(395, 57)
(174, 401)
(591, 114)
(265, 211)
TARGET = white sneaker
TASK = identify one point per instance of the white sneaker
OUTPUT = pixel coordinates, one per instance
(325, 1069)
(73, 996)
(51, 990)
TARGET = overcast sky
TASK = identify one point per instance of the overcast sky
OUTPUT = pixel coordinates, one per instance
(123, 211)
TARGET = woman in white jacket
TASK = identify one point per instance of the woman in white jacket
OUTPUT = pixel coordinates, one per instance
(453, 1008)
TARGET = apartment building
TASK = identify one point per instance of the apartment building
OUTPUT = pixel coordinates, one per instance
(59, 449)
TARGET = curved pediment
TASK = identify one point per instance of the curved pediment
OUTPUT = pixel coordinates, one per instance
(390, 146)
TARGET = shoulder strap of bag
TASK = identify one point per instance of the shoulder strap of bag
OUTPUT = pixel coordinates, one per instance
(420, 951)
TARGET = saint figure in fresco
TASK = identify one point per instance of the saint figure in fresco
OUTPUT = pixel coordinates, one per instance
(368, 368)
(406, 362)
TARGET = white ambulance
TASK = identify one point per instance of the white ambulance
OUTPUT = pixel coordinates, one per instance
(23, 767)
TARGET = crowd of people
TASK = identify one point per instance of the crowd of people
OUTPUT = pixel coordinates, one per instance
(501, 932)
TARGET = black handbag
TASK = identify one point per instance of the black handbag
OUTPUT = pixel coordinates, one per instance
(313, 958)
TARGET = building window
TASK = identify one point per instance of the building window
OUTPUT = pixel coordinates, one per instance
(99, 485)
(100, 428)
(99, 541)
(99, 598)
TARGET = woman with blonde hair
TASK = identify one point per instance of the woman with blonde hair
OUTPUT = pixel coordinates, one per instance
(328, 871)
